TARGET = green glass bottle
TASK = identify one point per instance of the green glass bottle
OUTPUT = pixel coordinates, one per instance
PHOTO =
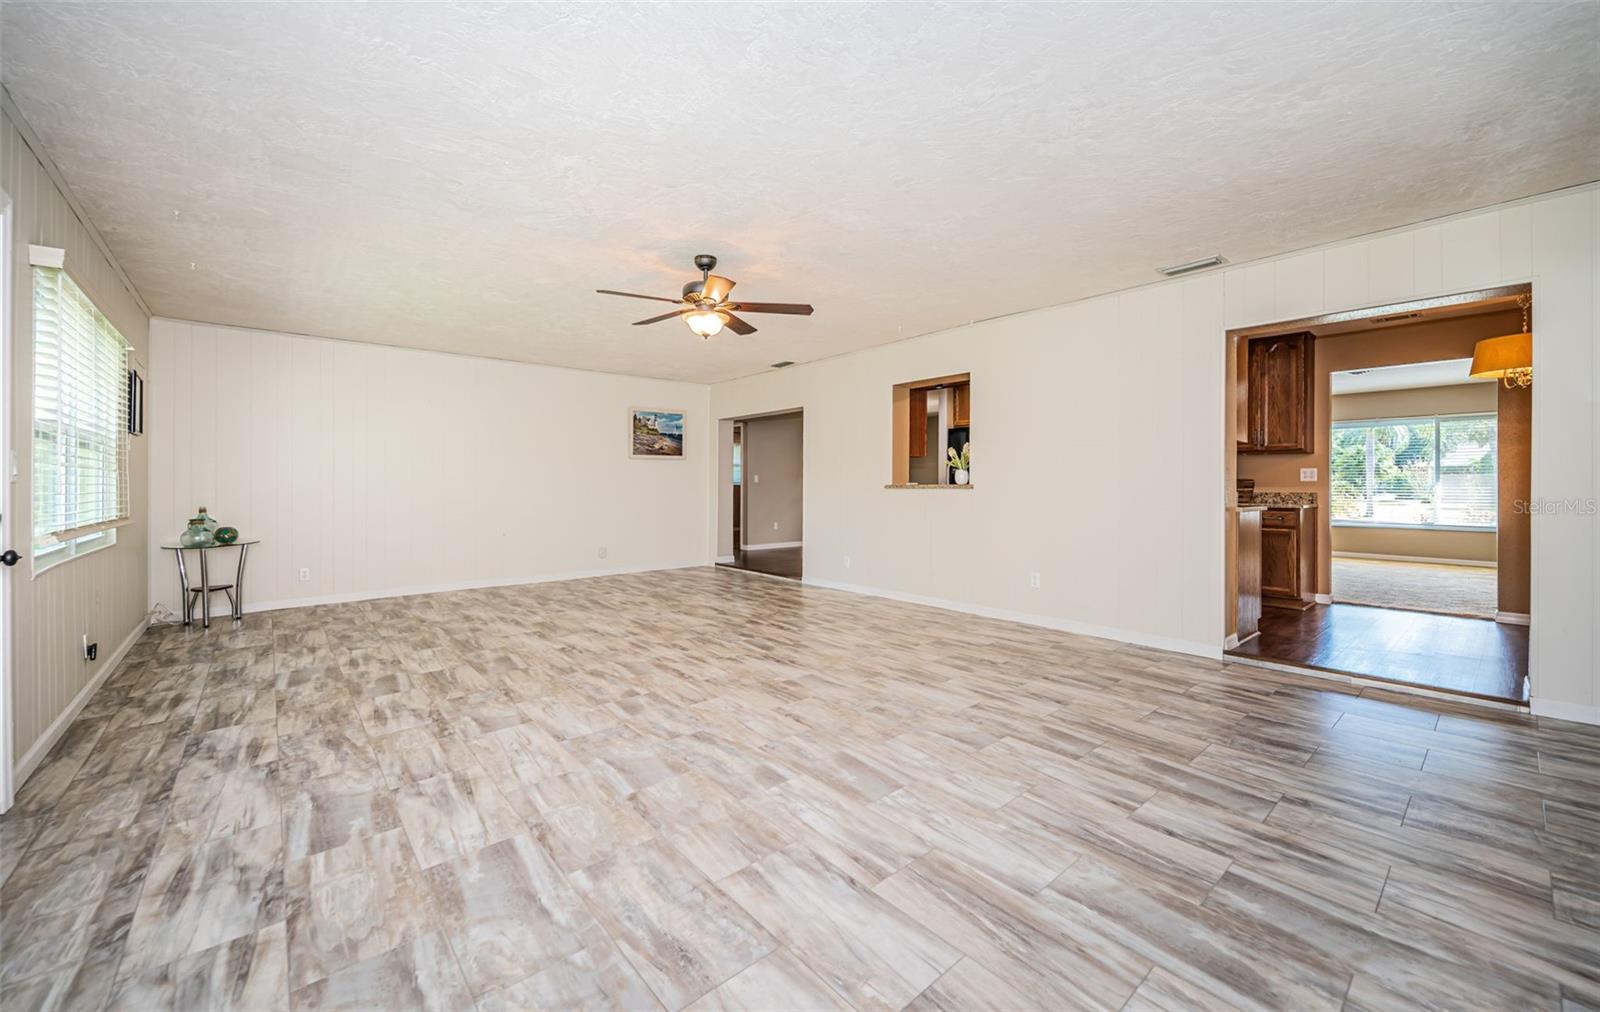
(206, 520)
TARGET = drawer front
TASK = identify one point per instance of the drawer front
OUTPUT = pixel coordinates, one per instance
(1280, 518)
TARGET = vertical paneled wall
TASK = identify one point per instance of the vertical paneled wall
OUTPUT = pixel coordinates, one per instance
(1099, 449)
(103, 593)
(380, 470)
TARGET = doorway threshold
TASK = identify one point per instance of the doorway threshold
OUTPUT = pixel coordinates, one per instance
(786, 562)
(1472, 657)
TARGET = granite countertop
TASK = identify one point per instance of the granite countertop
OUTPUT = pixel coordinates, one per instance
(1282, 500)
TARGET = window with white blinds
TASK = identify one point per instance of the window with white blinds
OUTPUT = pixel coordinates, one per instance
(80, 417)
(1438, 471)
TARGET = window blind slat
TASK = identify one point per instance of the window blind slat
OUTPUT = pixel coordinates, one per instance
(80, 398)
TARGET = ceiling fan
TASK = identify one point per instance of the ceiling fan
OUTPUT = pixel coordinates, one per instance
(705, 306)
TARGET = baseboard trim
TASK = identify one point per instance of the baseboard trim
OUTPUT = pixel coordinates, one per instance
(1026, 618)
(1512, 617)
(38, 750)
(1578, 713)
(1475, 563)
(1322, 598)
(772, 544)
(726, 560)
(445, 588)
(1232, 642)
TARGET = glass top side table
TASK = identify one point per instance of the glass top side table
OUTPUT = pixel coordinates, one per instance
(203, 592)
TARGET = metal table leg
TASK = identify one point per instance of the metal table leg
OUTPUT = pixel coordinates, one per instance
(205, 592)
(183, 593)
(238, 586)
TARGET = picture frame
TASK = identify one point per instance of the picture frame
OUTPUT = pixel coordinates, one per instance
(656, 433)
(135, 402)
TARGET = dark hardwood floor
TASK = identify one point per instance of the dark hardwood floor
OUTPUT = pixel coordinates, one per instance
(1475, 656)
(785, 562)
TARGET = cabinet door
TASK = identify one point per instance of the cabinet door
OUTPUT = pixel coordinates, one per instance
(918, 424)
(1280, 394)
(1280, 562)
(961, 405)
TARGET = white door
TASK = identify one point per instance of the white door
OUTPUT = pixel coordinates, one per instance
(8, 474)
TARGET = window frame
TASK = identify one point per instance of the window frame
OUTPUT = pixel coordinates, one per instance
(1436, 420)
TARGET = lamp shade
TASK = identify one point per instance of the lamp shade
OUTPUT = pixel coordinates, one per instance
(706, 322)
(1499, 357)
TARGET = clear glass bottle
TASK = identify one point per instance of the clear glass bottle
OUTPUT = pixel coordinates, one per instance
(196, 535)
(206, 520)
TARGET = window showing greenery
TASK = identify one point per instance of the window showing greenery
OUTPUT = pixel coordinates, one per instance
(1415, 472)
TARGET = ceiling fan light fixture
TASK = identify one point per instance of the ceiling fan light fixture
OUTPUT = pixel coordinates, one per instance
(708, 323)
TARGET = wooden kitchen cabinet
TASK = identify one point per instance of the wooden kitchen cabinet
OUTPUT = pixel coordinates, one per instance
(1278, 397)
(1289, 558)
(961, 405)
(917, 426)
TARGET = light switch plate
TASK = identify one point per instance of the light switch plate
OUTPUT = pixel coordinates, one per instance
(1308, 474)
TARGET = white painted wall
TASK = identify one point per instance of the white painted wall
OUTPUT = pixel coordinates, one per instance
(100, 594)
(386, 470)
(1099, 439)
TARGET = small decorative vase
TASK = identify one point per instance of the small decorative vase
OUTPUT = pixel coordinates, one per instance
(961, 476)
(206, 520)
(226, 535)
(196, 536)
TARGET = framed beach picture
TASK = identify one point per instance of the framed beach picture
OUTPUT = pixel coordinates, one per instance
(655, 434)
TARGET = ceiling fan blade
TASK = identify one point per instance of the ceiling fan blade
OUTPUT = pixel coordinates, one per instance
(738, 326)
(636, 295)
(789, 308)
(658, 319)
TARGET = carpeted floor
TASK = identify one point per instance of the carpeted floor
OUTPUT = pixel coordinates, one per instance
(1416, 586)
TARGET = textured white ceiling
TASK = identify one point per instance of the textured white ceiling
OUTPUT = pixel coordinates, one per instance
(461, 177)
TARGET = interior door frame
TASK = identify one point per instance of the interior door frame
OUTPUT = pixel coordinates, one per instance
(1234, 337)
(8, 476)
(744, 486)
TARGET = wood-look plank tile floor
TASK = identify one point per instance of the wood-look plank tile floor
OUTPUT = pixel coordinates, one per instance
(705, 789)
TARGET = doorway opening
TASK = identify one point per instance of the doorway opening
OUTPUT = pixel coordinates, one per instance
(761, 479)
(1378, 529)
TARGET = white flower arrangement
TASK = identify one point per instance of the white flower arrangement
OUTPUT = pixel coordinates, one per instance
(961, 461)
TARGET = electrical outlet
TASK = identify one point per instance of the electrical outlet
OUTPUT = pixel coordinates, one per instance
(305, 576)
(1308, 474)
(1033, 580)
(90, 650)
(774, 525)
(847, 562)
(602, 551)
(755, 478)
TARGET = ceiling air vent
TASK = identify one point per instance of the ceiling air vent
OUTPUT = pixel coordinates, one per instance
(1396, 318)
(782, 365)
(1191, 266)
